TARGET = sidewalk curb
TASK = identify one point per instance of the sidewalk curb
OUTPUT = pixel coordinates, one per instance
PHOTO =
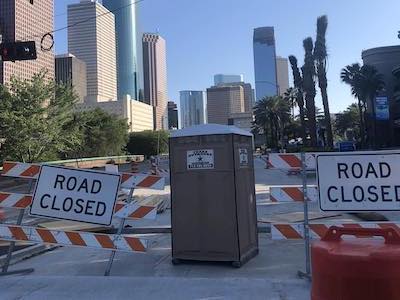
(27, 252)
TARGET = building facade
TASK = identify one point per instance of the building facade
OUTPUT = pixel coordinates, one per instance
(126, 39)
(19, 21)
(282, 74)
(387, 130)
(193, 108)
(172, 115)
(139, 115)
(265, 73)
(155, 77)
(71, 71)
(223, 101)
(242, 120)
(92, 40)
(220, 79)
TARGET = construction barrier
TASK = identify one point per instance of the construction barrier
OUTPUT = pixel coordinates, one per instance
(292, 193)
(291, 161)
(295, 231)
(72, 238)
(139, 180)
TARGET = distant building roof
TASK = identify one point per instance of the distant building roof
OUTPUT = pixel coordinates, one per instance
(207, 129)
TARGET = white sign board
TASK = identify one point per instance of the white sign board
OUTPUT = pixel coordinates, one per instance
(243, 157)
(76, 195)
(359, 182)
(200, 159)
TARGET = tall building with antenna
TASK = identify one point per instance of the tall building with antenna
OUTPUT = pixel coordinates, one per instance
(23, 21)
(92, 39)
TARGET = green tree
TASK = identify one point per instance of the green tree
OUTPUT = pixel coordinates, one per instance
(321, 55)
(309, 88)
(148, 142)
(34, 116)
(298, 84)
(290, 96)
(102, 133)
(347, 122)
(365, 83)
(272, 115)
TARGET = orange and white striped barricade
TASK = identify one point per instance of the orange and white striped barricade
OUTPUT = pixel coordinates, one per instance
(291, 162)
(295, 231)
(72, 238)
(128, 211)
(292, 193)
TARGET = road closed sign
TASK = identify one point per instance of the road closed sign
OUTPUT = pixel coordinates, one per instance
(359, 182)
(76, 195)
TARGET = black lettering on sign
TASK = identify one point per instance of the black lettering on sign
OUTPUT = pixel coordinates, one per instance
(384, 169)
(396, 191)
(67, 204)
(59, 179)
(329, 194)
(71, 183)
(371, 170)
(96, 187)
(357, 170)
(79, 204)
(54, 203)
(342, 168)
(101, 209)
(84, 186)
(358, 196)
(371, 192)
(89, 206)
(343, 196)
(385, 193)
(41, 200)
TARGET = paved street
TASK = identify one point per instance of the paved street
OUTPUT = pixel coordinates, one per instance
(76, 273)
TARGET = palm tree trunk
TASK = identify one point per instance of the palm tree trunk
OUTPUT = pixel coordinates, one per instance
(362, 126)
(328, 124)
(312, 123)
(303, 125)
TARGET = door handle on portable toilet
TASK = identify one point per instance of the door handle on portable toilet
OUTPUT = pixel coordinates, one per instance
(334, 234)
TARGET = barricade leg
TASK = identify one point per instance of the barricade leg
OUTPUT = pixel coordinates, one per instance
(11, 248)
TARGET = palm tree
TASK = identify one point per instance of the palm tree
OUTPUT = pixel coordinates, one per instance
(321, 55)
(308, 70)
(290, 96)
(272, 114)
(298, 83)
(350, 75)
(365, 82)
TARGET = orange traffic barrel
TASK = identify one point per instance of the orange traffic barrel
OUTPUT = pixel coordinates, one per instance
(359, 268)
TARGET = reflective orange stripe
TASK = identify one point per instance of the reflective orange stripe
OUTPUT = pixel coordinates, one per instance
(288, 231)
(294, 193)
(148, 181)
(104, 241)
(18, 233)
(75, 238)
(7, 166)
(319, 229)
(291, 160)
(46, 236)
(135, 244)
(24, 202)
(141, 212)
(33, 170)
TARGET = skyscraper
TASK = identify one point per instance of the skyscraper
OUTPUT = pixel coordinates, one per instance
(282, 71)
(265, 62)
(172, 115)
(21, 20)
(126, 40)
(193, 108)
(225, 78)
(223, 101)
(92, 40)
(155, 77)
(71, 71)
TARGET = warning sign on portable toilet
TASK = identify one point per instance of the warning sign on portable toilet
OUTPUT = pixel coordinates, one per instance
(200, 159)
(359, 181)
(76, 195)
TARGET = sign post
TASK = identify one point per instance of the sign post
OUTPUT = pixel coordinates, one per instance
(359, 182)
(306, 274)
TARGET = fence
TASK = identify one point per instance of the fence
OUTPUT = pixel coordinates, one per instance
(113, 242)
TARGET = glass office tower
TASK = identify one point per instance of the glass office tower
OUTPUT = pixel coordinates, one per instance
(127, 47)
(265, 62)
(193, 108)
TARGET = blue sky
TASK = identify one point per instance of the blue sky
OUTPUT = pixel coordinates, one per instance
(206, 37)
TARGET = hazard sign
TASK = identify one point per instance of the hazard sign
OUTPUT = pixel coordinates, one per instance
(359, 181)
(76, 195)
(243, 157)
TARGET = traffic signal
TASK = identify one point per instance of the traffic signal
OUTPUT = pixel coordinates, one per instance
(16, 51)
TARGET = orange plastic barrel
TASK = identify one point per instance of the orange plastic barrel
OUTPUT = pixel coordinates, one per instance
(353, 269)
